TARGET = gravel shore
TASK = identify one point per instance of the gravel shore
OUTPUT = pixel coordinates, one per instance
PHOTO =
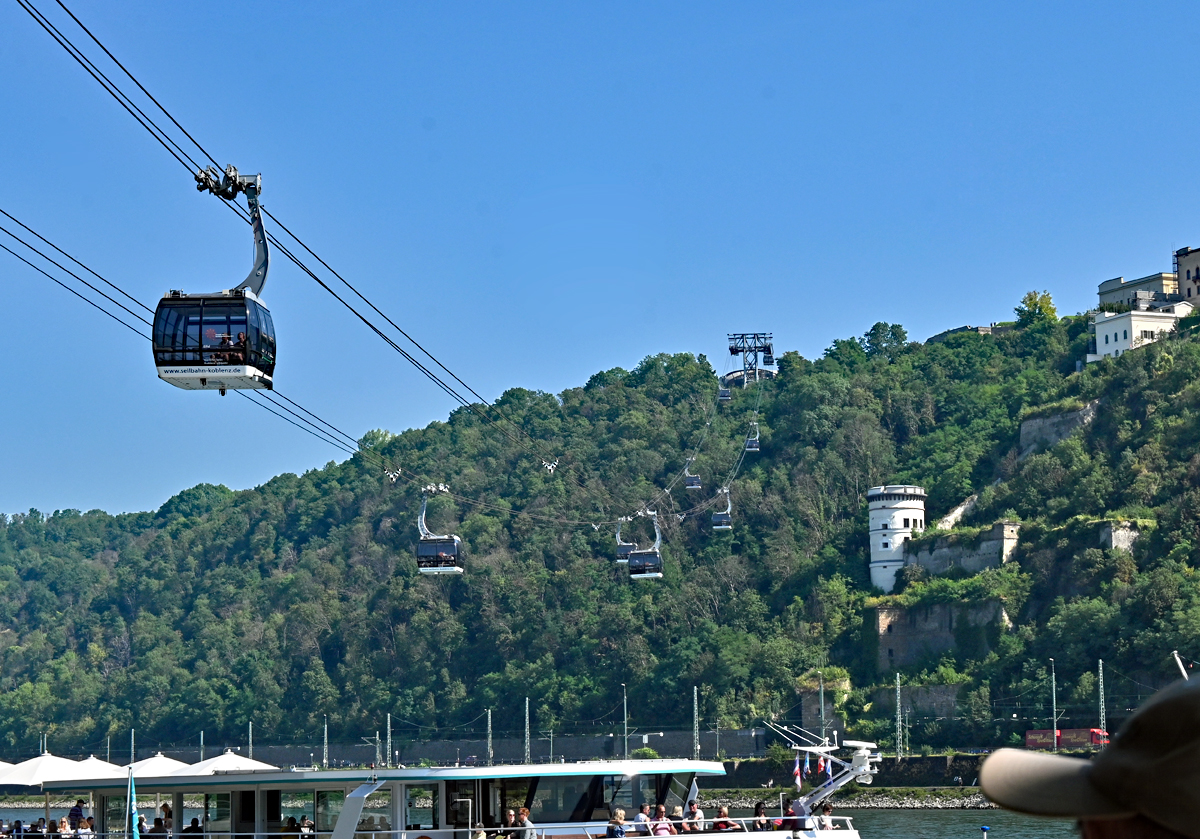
(900, 799)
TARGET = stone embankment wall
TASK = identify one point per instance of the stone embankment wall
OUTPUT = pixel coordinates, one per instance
(991, 551)
(921, 633)
(1043, 432)
(933, 771)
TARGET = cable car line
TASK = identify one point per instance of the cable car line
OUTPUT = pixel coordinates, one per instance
(139, 84)
(76, 261)
(67, 270)
(163, 138)
(176, 150)
(76, 293)
(350, 448)
(167, 143)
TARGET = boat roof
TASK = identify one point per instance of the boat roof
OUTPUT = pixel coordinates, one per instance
(422, 774)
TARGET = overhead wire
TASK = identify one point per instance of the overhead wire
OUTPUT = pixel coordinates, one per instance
(186, 160)
(164, 138)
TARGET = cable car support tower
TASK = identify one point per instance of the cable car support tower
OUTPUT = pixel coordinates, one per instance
(749, 345)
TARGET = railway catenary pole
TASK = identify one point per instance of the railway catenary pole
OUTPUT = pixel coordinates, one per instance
(695, 723)
(489, 736)
(1053, 708)
(387, 758)
(899, 722)
(527, 730)
(325, 745)
(1103, 713)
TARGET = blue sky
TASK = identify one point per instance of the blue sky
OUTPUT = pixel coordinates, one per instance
(538, 191)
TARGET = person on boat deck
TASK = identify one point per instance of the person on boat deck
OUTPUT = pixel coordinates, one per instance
(194, 827)
(677, 818)
(641, 822)
(75, 815)
(826, 820)
(508, 825)
(1143, 784)
(525, 827)
(694, 820)
(761, 822)
(800, 814)
(159, 827)
(479, 833)
(616, 825)
(660, 825)
(724, 823)
(167, 817)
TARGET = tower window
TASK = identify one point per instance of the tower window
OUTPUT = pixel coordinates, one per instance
(1106, 339)
(889, 652)
(886, 546)
(889, 629)
(1125, 332)
(884, 526)
(906, 522)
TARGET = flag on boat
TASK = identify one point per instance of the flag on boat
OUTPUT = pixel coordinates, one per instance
(829, 768)
(807, 768)
(796, 770)
(820, 765)
(131, 826)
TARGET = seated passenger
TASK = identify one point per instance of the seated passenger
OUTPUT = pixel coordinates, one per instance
(761, 822)
(616, 825)
(660, 825)
(694, 820)
(194, 827)
(159, 827)
(724, 823)
(677, 818)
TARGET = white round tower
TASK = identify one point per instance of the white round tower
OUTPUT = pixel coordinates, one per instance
(896, 512)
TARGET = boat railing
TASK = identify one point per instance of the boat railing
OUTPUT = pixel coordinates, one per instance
(553, 830)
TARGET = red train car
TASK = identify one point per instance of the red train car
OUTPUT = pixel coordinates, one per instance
(1068, 738)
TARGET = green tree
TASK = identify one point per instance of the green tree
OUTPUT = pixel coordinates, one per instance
(1036, 307)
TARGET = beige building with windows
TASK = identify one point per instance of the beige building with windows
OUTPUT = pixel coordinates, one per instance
(1133, 313)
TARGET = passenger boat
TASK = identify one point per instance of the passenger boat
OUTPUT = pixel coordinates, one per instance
(568, 800)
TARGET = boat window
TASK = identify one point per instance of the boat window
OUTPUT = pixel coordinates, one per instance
(114, 813)
(246, 815)
(560, 799)
(673, 789)
(420, 807)
(502, 795)
(329, 807)
(376, 812)
(461, 806)
(216, 813)
(297, 805)
(273, 810)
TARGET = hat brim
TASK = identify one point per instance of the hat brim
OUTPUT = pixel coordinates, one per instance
(1045, 785)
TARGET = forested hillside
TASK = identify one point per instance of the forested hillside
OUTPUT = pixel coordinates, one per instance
(300, 598)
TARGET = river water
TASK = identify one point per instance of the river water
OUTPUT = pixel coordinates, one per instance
(871, 824)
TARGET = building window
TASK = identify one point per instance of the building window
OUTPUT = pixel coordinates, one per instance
(886, 546)
(1106, 339)
(1189, 291)
(884, 525)
(889, 629)
(906, 522)
(907, 539)
(1125, 332)
(889, 652)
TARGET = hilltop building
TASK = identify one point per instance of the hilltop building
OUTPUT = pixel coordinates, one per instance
(1133, 313)
(895, 513)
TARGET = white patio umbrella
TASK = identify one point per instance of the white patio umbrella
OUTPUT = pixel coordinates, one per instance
(46, 767)
(160, 764)
(227, 762)
(94, 767)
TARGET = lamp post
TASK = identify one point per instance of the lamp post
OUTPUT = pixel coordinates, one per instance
(625, 709)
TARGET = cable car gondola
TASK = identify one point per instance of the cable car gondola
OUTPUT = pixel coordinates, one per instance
(648, 564)
(624, 549)
(752, 441)
(437, 554)
(724, 520)
(690, 481)
(223, 340)
(724, 394)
